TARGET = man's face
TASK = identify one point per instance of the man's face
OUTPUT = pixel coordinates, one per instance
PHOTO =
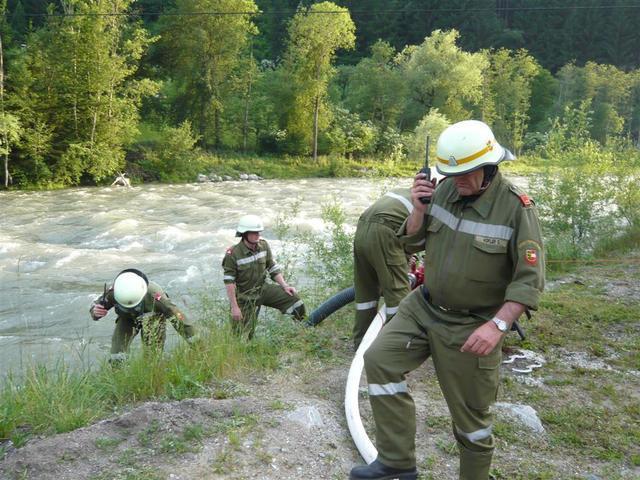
(469, 183)
(253, 237)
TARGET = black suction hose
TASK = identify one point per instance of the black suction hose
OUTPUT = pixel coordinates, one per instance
(335, 303)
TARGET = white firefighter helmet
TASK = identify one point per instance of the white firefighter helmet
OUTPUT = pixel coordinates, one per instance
(249, 223)
(466, 146)
(130, 287)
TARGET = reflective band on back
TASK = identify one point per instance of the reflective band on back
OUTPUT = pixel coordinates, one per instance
(391, 310)
(252, 258)
(228, 277)
(477, 435)
(467, 226)
(274, 268)
(293, 307)
(387, 389)
(366, 305)
(407, 204)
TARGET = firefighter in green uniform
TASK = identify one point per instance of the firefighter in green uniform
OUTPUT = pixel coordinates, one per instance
(380, 263)
(246, 266)
(485, 266)
(141, 306)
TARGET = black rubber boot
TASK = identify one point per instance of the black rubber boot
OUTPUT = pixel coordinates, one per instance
(379, 471)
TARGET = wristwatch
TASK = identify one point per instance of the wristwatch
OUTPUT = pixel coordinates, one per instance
(501, 324)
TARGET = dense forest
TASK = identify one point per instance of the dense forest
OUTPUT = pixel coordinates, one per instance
(92, 87)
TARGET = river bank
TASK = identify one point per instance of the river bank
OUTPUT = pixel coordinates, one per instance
(286, 421)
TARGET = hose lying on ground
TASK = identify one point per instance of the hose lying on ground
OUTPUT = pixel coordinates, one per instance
(335, 303)
(351, 408)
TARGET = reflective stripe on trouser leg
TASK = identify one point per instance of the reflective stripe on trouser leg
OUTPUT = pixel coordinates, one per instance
(274, 296)
(365, 282)
(469, 385)
(386, 362)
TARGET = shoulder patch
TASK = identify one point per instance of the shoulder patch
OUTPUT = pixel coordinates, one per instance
(525, 199)
(229, 251)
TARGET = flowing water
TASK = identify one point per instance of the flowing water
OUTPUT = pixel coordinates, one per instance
(58, 248)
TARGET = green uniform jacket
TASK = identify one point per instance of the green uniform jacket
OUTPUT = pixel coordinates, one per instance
(156, 301)
(481, 254)
(391, 209)
(248, 269)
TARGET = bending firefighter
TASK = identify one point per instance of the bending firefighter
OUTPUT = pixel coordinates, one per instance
(141, 306)
(485, 267)
(246, 266)
(379, 261)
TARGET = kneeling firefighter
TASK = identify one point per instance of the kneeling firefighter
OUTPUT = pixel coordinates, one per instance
(142, 306)
(246, 266)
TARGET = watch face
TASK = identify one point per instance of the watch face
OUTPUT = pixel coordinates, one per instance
(501, 324)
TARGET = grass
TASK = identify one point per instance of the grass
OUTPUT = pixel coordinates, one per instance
(591, 416)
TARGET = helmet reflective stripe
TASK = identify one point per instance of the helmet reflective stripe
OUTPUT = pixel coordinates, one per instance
(249, 223)
(466, 146)
(129, 288)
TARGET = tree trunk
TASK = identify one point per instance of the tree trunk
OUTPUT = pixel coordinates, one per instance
(5, 137)
(316, 109)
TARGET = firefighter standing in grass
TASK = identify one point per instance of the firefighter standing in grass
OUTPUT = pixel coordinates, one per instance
(246, 266)
(380, 263)
(141, 306)
(485, 266)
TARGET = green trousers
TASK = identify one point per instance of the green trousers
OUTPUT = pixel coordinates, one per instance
(271, 295)
(469, 383)
(380, 267)
(153, 332)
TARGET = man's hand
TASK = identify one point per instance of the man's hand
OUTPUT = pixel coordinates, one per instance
(421, 188)
(483, 340)
(99, 311)
(236, 314)
(291, 291)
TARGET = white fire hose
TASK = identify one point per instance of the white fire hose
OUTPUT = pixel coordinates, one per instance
(351, 408)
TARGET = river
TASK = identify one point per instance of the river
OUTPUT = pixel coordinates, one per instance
(57, 248)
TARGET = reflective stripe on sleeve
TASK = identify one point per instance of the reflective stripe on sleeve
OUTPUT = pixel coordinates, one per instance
(229, 277)
(293, 307)
(252, 258)
(366, 305)
(407, 204)
(274, 268)
(477, 435)
(467, 226)
(387, 389)
(391, 310)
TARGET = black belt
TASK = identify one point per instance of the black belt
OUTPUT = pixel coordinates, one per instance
(427, 297)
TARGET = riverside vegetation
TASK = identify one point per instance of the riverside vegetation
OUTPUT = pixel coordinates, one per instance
(588, 407)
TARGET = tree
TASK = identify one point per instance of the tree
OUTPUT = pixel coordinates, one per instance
(375, 89)
(509, 78)
(77, 80)
(440, 75)
(315, 34)
(204, 51)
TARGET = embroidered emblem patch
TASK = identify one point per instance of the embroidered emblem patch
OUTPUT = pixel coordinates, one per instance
(229, 250)
(157, 296)
(531, 256)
